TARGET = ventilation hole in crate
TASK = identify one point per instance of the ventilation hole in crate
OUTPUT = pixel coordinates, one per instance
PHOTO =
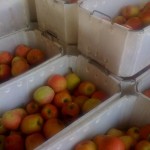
(31, 79)
(7, 90)
(19, 84)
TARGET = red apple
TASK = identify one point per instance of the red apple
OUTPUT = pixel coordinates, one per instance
(70, 110)
(43, 95)
(86, 145)
(90, 104)
(3, 129)
(145, 132)
(11, 119)
(147, 92)
(14, 142)
(119, 20)
(32, 107)
(142, 145)
(145, 18)
(57, 82)
(80, 100)
(5, 72)
(34, 140)
(86, 88)
(49, 111)
(5, 57)
(130, 11)
(2, 142)
(52, 126)
(31, 124)
(100, 94)
(109, 143)
(134, 23)
(61, 98)
(22, 50)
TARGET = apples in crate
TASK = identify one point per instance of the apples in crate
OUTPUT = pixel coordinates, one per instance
(134, 17)
(52, 107)
(23, 59)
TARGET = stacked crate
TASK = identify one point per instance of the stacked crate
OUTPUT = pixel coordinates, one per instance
(109, 55)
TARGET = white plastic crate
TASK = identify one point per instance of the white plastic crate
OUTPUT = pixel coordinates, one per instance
(18, 91)
(14, 16)
(59, 18)
(143, 82)
(15, 30)
(124, 112)
(121, 51)
(32, 10)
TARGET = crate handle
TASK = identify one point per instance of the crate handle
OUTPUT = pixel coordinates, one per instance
(101, 13)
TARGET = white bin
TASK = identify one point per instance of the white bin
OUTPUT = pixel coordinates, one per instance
(59, 18)
(121, 51)
(124, 112)
(15, 30)
(18, 92)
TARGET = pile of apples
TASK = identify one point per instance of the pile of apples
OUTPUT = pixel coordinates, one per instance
(52, 107)
(23, 59)
(132, 138)
(134, 17)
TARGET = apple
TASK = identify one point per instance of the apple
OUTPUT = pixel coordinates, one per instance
(134, 132)
(5, 57)
(115, 132)
(5, 72)
(130, 11)
(22, 50)
(86, 88)
(73, 81)
(147, 92)
(43, 95)
(80, 100)
(2, 142)
(57, 82)
(32, 107)
(109, 143)
(3, 129)
(52, 126)
(90, 104)
(14, 142)
(145, 18)
(20, 66)
(134, 23)
(142, 145)
(86, 145)
(31, 123)
(17, 58)
(145, 132)
(11, 119)
(35, 56)
(61, 98)
(128, 141)
(100, 94)
(32, 141)
(119, 20)
(49, 111)
(70, 111)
